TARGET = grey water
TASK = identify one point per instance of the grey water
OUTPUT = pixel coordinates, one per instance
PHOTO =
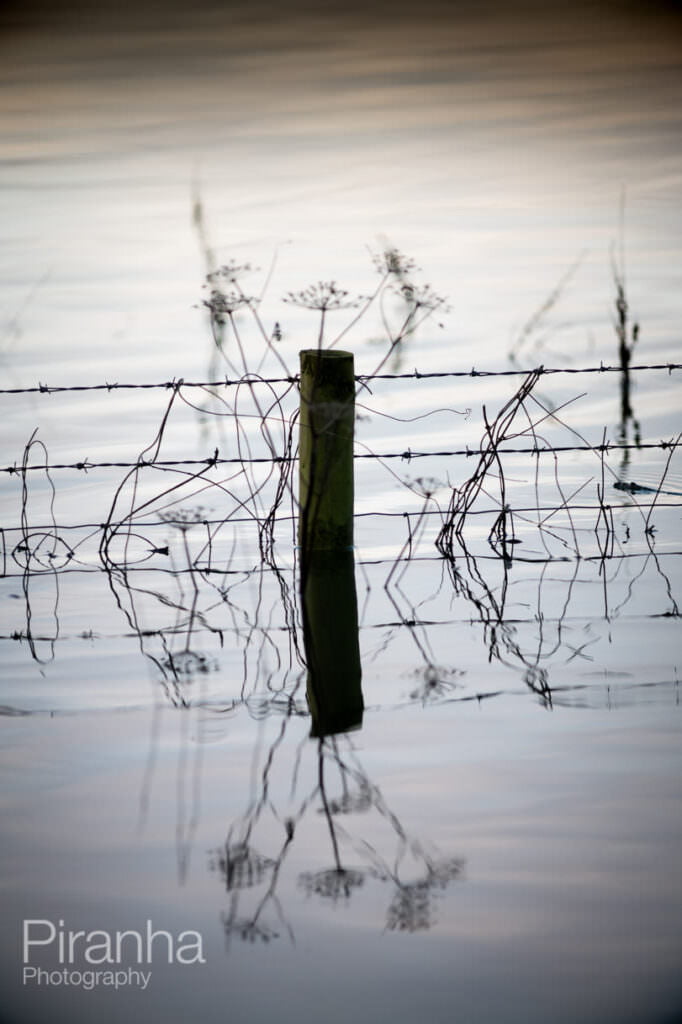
(499, 838)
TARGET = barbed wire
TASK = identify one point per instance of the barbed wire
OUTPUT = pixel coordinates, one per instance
(406, 456)
(176, 384)
(18, 636)
(373, 514)
(207, 571)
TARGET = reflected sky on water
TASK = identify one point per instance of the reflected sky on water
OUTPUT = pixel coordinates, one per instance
(499, 842)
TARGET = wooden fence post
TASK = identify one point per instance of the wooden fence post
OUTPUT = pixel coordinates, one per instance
(325, 534)
(326, 424)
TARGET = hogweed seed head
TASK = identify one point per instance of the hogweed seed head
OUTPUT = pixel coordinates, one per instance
(323, 296)
(226, 303)
(230, 272)
(421, 297)
(393, 262)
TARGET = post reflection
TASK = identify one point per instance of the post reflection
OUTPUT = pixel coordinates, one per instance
(416, 874)
(330, 638)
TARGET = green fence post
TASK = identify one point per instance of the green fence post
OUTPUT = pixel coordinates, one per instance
(327, 419)
(325, 533)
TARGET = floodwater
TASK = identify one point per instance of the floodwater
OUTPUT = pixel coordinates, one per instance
(497, 838)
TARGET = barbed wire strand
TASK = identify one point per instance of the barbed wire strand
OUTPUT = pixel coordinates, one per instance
(492, 510)
(407, 455)
(47, 389)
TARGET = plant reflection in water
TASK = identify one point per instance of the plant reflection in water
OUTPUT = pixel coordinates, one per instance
(412, 903)
(335, 701)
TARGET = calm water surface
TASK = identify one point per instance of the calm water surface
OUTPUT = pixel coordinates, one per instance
(500, 840)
